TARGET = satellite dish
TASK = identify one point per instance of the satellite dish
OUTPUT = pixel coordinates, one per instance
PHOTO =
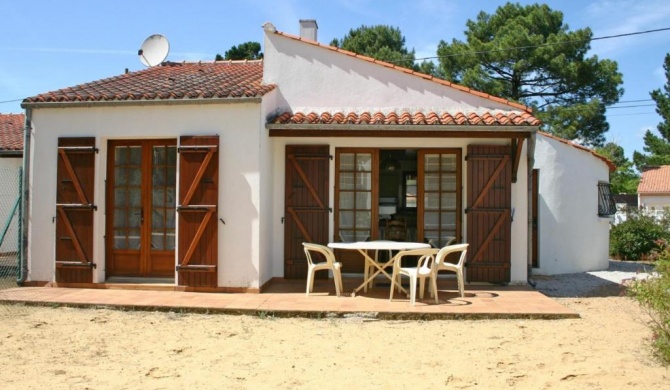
(154, 50)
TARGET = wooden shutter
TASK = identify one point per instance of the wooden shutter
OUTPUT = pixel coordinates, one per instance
(198, 198)
(306, 204)
(489, 213)
(75, 178)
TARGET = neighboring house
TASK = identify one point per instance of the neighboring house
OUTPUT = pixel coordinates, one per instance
(11, 153)
(624, 203)
(313, 143)
(654, 190)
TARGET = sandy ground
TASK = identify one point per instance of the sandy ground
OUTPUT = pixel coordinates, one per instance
(65, 348)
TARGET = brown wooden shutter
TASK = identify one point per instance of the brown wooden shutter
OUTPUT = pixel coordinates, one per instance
(489, 213)
(75, 178)
(306, 204)
(198, 198)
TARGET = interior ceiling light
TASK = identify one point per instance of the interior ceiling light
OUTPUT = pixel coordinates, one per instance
(389, 163)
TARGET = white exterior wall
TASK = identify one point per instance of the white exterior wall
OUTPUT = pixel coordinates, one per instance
(519, 193)
(312, 78)
(9, 191)
(657, 201)
(572, 237)
(239, 127)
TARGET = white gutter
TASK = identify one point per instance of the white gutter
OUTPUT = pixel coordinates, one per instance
(125, 103)
(531, 163)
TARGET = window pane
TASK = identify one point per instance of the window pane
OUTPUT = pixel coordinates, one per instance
(120, 239)
(363, 219)
(364, 200)
(157, 241)
(448, 182)
(170, 219)
(134, 197)
(120, 176)
(120, 197)
(135, 157)
(432, 162)
(347, 162)
(158, 220)
(346, 200)
(134, 216)
(134, 177)
(364, 181)
(172, 155)
(346, 181)
(134, 239)
(448, 163)
(431, 182)
(159, 156)
(346, 219)
(431, 220)
(448, 220)
(120, 155)
(169, 245)
(158, 176)
(347, 235)
(448, 201)
(432, 201)
(120, 218)
(364, 162)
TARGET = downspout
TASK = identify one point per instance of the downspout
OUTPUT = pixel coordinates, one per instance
(25, 193)
(531, 163)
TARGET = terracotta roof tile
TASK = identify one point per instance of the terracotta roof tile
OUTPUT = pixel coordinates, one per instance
(11, 132)
(655, 180)
(170, 80)
(409, 71)
(578, 146)
(407, 118)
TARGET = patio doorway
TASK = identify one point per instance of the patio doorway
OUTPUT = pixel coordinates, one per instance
(141, 195)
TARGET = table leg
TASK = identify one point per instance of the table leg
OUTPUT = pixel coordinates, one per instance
(380, 269)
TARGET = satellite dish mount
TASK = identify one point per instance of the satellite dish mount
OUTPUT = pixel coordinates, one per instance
(154, 50)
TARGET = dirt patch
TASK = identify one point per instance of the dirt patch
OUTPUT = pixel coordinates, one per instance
(105, 349)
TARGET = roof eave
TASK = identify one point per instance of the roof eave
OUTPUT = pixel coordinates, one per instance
(157, 102)
(424, 131)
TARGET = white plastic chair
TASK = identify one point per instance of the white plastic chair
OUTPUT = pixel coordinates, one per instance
(329, 264)
(423, 269)
(458, 268)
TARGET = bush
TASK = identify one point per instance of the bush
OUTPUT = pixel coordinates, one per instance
(654, 295)
(636, 238)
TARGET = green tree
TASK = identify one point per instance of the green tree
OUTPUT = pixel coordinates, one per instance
(658, 148)
(624, 179)
(528, 55)
(381, 42)
(245, 51)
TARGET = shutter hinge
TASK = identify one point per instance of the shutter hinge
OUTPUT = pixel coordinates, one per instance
(330, 156)
(222, 221)
(282, 220)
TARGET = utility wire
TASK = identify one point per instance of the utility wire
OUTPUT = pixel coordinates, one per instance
(549, 44)
(11, 101)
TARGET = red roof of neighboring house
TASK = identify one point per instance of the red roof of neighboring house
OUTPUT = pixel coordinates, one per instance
(11, 132)
(407, 118)
(655, 180)
(170, 81)
(578, 146)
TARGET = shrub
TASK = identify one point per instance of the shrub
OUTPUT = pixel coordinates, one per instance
(654, 295)
(637, 236)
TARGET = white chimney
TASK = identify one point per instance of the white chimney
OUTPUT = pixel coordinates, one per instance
(308, 29)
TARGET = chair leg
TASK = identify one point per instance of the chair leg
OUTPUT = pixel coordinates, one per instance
(433, 285)
(422, 285)
(412, 290)
(365, 276)
(337, 276)
(310, 280)
(461, 284)
(393, 281)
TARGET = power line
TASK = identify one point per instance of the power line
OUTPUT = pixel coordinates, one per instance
(549, 44)
(636, 105)
(11, 101)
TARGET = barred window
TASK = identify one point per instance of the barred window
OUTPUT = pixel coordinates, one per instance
(606, 205)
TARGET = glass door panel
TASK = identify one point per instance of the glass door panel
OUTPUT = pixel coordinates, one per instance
(441, 195)
(355, 178)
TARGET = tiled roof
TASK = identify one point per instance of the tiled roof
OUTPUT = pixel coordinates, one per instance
(578, 146)
(407, 118)
(170, 80)
(655, 180)
(11, 132)
(410, 71)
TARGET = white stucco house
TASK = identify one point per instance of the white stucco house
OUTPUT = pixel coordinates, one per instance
(210, 176)
(11, 154)
(653, 192)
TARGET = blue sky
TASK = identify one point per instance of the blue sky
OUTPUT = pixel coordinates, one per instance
(47, 45)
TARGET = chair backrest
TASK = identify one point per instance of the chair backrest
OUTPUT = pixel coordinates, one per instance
(425, 256)
(324, 250)
(396, 231)
(447, 250)
(437, 242)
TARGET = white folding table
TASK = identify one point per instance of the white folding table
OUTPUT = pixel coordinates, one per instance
(364, 246)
